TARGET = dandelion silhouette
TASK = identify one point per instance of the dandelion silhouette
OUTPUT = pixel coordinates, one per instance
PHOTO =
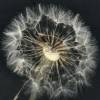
(52, 48)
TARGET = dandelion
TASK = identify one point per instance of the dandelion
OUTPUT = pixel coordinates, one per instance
(52, 48)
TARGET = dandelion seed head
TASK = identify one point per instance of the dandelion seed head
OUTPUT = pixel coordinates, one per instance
(53, 47)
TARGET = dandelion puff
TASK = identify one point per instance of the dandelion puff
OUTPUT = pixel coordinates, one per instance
(52, 48)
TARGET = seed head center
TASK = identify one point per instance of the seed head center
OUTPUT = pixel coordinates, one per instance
(50, 54)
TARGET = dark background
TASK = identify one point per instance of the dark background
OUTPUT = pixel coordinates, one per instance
(90, 12)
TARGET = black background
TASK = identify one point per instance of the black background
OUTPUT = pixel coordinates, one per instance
(90, 12)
